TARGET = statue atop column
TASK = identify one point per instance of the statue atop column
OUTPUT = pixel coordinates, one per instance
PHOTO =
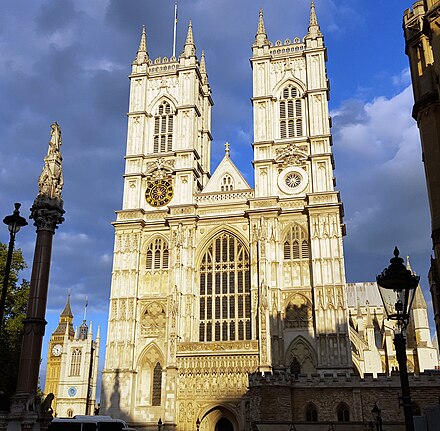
(47, 209)
(27, 411)
(51, 180)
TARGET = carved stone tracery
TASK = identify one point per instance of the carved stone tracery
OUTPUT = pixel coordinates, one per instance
(153, 321)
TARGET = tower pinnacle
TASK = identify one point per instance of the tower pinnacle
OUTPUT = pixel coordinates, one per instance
(314, 30)
(190, 48)
(142, 54)
(203, 68)
(261, 36)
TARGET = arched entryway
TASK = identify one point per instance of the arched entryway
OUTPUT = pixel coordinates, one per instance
(219, 418)
(224, 424)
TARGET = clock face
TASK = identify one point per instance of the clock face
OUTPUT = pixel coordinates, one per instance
(57, 349)
(159, 193)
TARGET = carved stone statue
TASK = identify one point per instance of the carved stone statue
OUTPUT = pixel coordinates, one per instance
(51, 180)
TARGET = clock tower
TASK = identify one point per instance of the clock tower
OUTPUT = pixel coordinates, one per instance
(63, 331)
(72, 366)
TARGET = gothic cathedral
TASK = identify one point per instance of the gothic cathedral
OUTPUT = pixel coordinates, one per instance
(212, 279)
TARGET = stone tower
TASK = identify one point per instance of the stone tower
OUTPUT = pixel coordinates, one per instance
(213, 279)
(64, 330)
(421, 27)
(72, 367)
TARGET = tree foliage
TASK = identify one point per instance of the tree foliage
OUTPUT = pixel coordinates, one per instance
(12, 330)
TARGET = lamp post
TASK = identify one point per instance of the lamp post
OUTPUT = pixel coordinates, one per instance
(15, 222)
(397, 286)
(375, 411)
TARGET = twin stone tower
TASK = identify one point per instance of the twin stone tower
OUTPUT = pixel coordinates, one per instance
(212, 279)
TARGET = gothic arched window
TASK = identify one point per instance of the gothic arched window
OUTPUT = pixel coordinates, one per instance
(291, 113)
(157, 255)
(311, 413)
(296, 243)
(343, 412)
(225, 300)
(157, 385)
(296, 254)
(75, 364)
(163, 128)
(227, 183)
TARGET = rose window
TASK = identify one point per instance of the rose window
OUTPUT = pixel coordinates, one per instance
(293, 180)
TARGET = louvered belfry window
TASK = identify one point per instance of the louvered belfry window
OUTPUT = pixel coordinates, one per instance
(163, 128)
(157, 255)
(296, 244)
(225, 300)
(75, 364)
(291, 122)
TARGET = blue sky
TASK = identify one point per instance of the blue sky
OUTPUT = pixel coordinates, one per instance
(68, 61)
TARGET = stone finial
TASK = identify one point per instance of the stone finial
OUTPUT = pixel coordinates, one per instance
(142, 54)
(261, 36)
(227, 152)
(190, 48)
(314, 30)
(203, 68)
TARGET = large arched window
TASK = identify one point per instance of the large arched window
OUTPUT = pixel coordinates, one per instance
(163, 128)
(157, 255)
(291, 113)
(75, 364)
(225, 300)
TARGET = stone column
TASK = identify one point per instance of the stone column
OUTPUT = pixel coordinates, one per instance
(27, 411)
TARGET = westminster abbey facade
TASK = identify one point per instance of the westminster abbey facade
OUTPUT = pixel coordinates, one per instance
(214, 280)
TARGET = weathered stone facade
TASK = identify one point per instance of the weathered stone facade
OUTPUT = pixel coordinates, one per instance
(292, 398)
(214, 280)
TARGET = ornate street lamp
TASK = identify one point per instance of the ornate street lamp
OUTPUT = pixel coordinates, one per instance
(375, 411)
(15, 222)
(397, 286)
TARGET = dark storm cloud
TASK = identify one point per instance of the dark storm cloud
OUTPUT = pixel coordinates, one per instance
(56, 15)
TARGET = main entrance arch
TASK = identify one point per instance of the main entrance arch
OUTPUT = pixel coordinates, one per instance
(219, 418)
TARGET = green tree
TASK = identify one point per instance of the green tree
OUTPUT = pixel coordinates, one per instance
(12, 330)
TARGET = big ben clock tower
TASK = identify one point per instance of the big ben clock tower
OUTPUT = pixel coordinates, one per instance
(56, 348)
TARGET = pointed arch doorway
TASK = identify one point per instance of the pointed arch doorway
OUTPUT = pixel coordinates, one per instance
(224, 424)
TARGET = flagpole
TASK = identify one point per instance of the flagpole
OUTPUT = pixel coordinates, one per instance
(175, 27)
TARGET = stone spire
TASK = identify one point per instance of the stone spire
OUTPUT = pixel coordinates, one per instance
(67, 312)
(142, 54)
(314, 30)
(190, 48)
(261, 36)
(203, 69)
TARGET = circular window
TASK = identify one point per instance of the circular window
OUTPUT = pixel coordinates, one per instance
(293, 180)
(71, 391)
